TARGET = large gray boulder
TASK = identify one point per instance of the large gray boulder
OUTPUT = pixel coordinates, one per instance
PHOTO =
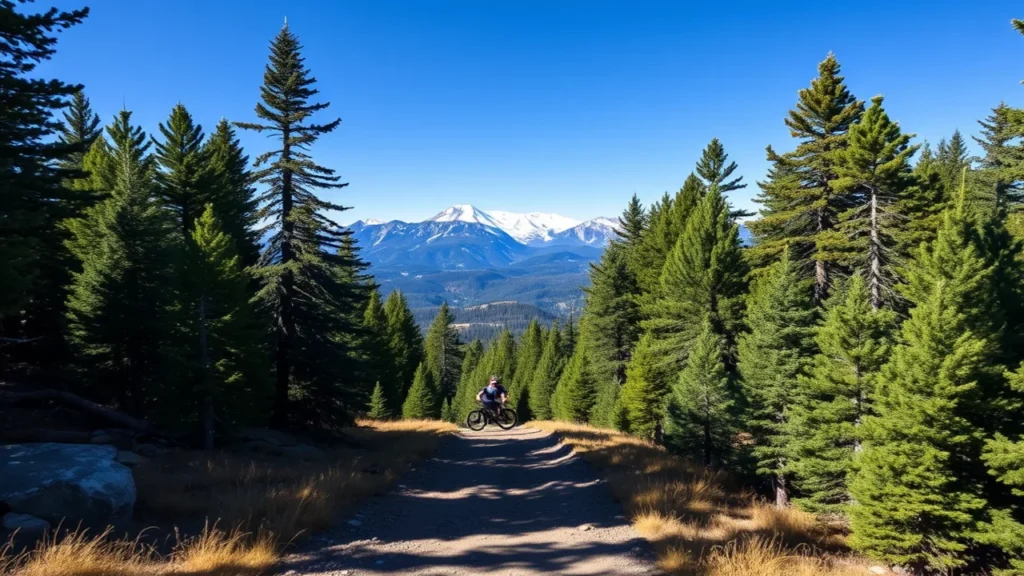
(67, 482)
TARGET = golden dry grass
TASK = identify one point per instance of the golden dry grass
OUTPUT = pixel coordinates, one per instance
(700, 522)
(268, 501)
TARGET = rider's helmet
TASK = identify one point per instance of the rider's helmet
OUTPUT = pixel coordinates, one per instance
(494, 380)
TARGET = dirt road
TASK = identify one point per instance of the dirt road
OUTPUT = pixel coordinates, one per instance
(491, 502)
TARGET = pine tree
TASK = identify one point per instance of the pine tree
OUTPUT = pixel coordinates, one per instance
(800, 204)
(31, 181)
(381, 363)
(715, 172)
(1003, 161)
(642, 400)
(833, 400)
(772, 356)
(703, 275)
(443, 354)
(613, 315)
(447, 414)
(873, 170)
(665, 223)
(1005, 460)
(466, 394)
(546, 375)
(118, 310)
(632, 222)
(184, 180)
(423, 400)
(503, 360)
(529, 351)
(404, 341)
(574, 394)
(224, 339)
(233, 196)
(81, 127)
(302, 289)
(917, 489)
(699, 420)
(378, 408)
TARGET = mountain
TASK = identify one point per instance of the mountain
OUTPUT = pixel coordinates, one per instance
(531, 229)
(439, 245)
(465, 237)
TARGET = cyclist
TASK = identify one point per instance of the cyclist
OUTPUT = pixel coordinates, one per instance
(493, 395)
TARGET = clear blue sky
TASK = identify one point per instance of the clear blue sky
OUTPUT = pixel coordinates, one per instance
(545, 105)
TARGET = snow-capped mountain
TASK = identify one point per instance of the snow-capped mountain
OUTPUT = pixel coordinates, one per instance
(465, 237)
(531, 229)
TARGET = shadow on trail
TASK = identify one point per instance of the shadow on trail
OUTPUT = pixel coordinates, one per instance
(514, 502)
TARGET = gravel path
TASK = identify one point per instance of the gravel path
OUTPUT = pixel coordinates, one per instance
(491, 502)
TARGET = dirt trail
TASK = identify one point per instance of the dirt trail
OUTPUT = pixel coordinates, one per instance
(491, 502)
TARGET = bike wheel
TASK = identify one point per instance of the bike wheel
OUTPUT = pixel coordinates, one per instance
(507, 418)
(476, 420)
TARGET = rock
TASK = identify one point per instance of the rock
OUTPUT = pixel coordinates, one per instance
(70, 482)
(303, 452)
(25, 524)
(585, 527)
(130, 458)
(273, 437)
(878, 570)
(355, 523)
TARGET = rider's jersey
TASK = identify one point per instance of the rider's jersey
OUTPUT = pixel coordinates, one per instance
(489, 394)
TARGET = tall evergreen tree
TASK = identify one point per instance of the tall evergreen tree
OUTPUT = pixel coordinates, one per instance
(466, 394)
(405, 342)
(224, 337)
(800, 204)
(833, 400)
(443, 352)
(233, 196)
(632, 222)
(703, 275)
(715, 172)
(301, 286)
(183, 180)
(528, 353)
(423, 400)
(382, 364)
(916, 491)
(613, 315)
(642, 399)
(502, 362)
(118, 309)
(1005, 459)
(699, 418)
(665, 223)
(545, 376)
(31, 181)
(574, 394)
(772, 356)
(874, 170)
(1003, 160)
(81, 127)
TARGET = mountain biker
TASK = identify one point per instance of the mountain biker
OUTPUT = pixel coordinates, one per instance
(493, 395)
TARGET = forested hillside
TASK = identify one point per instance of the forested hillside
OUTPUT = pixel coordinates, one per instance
(862, 359)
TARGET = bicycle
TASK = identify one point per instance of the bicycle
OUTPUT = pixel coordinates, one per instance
(505, 418)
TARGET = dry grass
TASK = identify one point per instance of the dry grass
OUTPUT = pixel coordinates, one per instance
(701, 522)
(269, 501)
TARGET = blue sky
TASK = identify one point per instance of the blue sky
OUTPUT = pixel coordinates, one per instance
(544, 105)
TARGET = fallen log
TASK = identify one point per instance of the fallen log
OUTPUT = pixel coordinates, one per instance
(82, 404)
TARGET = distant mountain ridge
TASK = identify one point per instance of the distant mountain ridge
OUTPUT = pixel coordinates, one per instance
(465, 237)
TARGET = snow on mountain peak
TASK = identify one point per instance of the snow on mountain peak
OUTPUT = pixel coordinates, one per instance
(372, 221)
(464, 213)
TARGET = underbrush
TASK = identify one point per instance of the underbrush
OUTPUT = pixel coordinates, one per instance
(699, 521)
(266, 503)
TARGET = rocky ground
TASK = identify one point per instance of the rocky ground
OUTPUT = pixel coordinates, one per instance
(491, 502)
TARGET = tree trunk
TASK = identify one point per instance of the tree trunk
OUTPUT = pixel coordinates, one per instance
(875, 255)
(820, 271)
(286, 327)
(781, 492)
(707, 443)
(206, 415)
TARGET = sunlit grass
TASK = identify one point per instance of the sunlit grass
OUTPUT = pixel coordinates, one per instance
(699, 521)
